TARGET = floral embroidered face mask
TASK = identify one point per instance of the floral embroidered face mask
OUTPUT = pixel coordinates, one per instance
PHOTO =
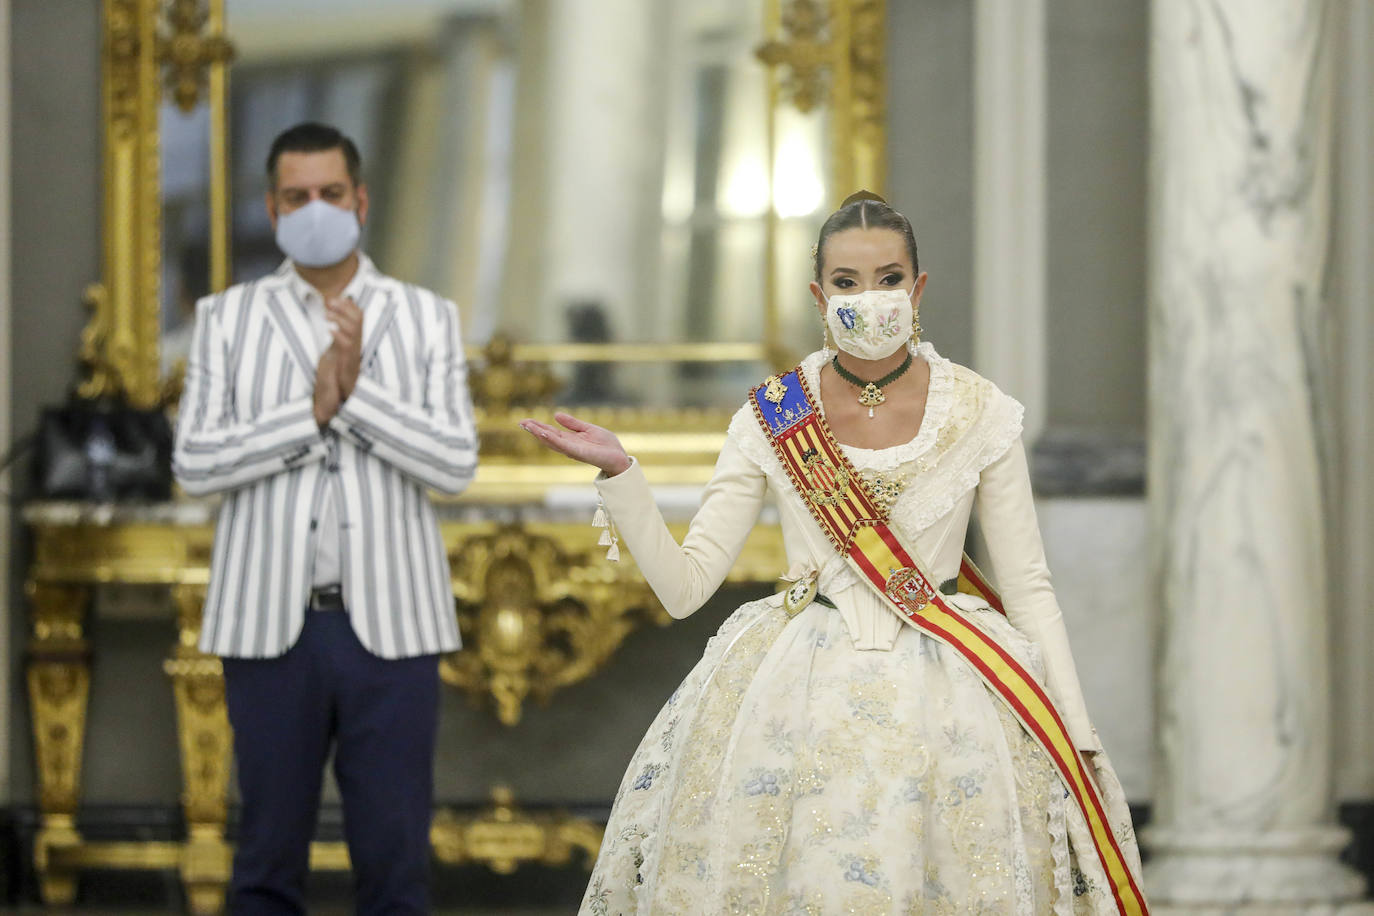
(872, 324)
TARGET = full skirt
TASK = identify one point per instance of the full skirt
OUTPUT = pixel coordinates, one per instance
(791, 773)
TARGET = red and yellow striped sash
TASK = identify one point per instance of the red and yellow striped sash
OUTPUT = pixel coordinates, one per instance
(840, 502)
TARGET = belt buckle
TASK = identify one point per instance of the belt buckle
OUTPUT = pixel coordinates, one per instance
(328, 598)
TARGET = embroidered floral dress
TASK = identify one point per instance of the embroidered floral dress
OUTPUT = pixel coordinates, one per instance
(839, 761)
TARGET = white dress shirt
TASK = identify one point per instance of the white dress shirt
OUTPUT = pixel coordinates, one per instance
(326, 522)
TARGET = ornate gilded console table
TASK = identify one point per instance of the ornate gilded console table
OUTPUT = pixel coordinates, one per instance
(539, 606)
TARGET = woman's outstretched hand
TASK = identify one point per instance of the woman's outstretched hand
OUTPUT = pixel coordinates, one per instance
(582, 441)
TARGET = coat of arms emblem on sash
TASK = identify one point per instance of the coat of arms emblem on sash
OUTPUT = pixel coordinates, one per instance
(830, 483)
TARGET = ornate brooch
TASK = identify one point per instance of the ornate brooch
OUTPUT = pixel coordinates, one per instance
(884, 488)
(775, 391)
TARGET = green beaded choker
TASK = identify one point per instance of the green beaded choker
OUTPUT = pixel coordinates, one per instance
(871, 394)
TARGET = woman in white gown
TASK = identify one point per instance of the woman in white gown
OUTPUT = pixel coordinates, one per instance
(830, 757)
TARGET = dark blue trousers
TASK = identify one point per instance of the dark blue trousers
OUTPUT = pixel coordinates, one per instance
(380, 716)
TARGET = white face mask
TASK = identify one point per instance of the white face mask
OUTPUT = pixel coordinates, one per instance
(872, 324)
(318, 234)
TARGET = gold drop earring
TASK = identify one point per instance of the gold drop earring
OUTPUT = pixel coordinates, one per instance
(915, 326)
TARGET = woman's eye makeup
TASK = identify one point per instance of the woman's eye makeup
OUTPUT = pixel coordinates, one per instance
(893, 279)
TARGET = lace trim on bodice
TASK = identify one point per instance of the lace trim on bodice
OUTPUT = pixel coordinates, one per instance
(968, 425)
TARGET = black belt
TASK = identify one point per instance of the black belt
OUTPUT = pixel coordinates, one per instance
(326, 598)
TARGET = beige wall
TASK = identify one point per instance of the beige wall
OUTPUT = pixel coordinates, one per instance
(930, 157)
(55, 207)
(1098, 120)
(1349, 417)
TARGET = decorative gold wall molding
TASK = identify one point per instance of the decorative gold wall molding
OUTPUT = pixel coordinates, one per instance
(804, 50)
(860, 100)
(505, 837)
(498, 381)
(541, 614)
(834, 55)
(190, 51)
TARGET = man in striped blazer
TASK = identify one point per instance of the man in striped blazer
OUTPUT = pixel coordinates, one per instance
(323, 402)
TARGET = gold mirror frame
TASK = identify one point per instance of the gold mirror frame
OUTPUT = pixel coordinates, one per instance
(149, 47)
(820, 53)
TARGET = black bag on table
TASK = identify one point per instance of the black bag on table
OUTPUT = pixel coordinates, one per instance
(103, 450)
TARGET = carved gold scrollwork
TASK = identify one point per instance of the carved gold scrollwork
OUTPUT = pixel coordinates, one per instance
(804, 51)
(499, 383)
(123, 42)
(59, 682)
(206, 751)
(535, 617)
(189, 52)
(833, 55)
(864, 106)
(120, 344)
(504, 837)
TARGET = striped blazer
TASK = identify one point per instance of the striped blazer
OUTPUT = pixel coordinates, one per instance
(247, 430)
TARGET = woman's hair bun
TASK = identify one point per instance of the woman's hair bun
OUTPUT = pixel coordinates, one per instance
(853, 214)
(862, 195)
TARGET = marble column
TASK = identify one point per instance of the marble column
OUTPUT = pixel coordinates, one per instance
(1240, 205)
(604, 159)
(1009, 177)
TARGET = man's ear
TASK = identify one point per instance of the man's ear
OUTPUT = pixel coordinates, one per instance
(362, 205)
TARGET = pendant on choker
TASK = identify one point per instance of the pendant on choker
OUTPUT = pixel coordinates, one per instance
(871, 397)
(870, 393)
